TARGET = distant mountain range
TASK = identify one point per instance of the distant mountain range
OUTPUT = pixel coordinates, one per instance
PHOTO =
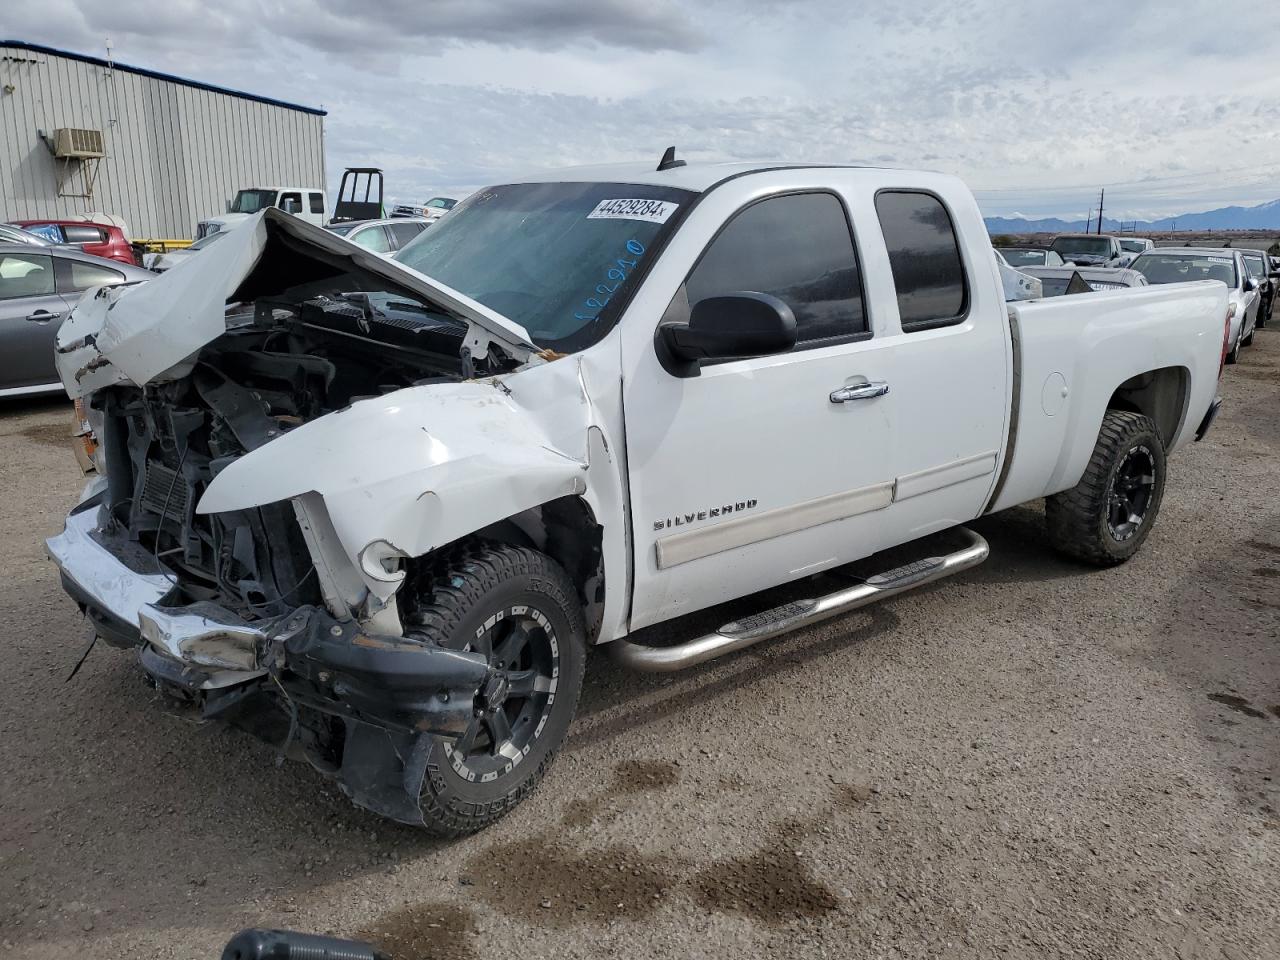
(1265, 216)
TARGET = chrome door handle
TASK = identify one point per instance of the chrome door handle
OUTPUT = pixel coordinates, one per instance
(42, 316)
(860, 391)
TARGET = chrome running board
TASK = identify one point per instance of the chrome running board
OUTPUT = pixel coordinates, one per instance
(799, 613)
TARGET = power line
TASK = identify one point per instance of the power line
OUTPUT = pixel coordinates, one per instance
(1130, 183)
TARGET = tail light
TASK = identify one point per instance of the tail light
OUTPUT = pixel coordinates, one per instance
(1226, 338)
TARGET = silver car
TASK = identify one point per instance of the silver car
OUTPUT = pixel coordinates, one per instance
(38, 288)
(1181, 264)
(11, 234)
(381, 236)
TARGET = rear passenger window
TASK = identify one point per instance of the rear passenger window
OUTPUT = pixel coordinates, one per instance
(317, 202)
(925, 258)
(799, 249)
(86, 275)
(404, 232)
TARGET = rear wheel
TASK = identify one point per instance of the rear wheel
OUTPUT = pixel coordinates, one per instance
(519, 608)
(1105, 518)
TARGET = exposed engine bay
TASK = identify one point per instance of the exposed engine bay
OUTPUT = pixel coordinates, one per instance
(283, 361)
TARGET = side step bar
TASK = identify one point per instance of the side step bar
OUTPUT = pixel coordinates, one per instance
(799, 613)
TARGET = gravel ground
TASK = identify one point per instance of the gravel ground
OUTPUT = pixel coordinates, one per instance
(1034, 759)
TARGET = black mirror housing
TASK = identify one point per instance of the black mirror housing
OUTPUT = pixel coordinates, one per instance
(1250, 286)
(733, 327)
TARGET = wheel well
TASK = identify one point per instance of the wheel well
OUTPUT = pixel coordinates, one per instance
(1158, 394)
(565, 530)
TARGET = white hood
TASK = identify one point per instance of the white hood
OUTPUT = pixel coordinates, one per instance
(140, 331)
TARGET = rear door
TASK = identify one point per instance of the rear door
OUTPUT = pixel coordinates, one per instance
(752, 473)
(31, 311)
(950, 379)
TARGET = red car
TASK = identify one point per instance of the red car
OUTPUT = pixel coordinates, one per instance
(99, 239)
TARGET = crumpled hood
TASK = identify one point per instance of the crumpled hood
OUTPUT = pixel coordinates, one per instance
(140, 331)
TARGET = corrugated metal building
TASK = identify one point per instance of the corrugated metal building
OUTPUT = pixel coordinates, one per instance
(174, 151)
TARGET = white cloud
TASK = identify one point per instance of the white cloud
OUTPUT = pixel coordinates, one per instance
(1036, 109)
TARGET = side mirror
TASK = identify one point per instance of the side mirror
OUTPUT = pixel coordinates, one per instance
(291, 206)
(1250, 286)
(725, 328)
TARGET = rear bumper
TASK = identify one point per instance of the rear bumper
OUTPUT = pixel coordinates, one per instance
(1210, 415)
(389, 692)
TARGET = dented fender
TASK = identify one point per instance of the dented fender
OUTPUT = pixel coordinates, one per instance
(404, 473)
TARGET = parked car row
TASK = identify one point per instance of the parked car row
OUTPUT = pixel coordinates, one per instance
(1083, 263)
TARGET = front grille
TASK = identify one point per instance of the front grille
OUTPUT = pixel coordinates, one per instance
(163, 486)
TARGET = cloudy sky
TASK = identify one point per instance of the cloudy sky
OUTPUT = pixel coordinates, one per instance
(1173, 106)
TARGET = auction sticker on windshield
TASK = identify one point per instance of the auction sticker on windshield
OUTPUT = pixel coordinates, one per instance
(1219, 259)
(653, 211)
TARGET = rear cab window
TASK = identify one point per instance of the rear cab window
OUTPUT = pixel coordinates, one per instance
(924, 257)
(797, 247)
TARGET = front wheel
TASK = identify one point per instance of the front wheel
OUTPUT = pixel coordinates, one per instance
(519, 608)
(1234, 355)
(1105, 517)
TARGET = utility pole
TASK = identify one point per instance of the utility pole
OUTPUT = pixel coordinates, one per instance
(1101, 200)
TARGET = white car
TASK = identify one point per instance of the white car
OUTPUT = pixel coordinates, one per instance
(1056, 281)
(1183, 264)
(431, 211)
(1134, 247)
(1019, 257)
(404, 496)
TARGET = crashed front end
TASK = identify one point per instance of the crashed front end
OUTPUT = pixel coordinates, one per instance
(248, 533)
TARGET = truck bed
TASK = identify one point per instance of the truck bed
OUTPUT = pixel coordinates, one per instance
(1071, 354)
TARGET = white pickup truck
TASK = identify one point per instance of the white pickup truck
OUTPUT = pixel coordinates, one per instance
(378, 511)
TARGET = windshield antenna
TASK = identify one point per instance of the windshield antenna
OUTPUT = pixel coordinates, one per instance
(669, 160)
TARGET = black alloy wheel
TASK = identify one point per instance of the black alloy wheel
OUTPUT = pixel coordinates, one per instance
(1132, 488)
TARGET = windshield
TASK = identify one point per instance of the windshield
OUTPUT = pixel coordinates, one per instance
(1023, 258)
(1088, 246)
(251, 201)
(550, 256)
(342, 229)
(1132, 246)
(439, 202)
(1184, 267)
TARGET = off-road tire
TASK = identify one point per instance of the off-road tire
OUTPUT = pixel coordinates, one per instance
(461, 590)
(1078, 519)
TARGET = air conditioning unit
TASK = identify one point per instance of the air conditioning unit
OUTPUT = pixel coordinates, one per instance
(85, 144)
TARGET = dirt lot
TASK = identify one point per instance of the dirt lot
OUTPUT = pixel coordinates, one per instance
(1034, 759)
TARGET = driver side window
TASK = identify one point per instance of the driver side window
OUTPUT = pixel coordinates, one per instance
(797, 247)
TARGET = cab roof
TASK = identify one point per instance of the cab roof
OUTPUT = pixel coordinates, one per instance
(691, 176)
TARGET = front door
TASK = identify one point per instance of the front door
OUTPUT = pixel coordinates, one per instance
(752, 473)
(30, 313)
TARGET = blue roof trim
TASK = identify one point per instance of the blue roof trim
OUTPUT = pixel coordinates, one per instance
(156, 74)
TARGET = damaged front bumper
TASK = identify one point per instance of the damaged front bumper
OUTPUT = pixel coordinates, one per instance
(359, 705)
